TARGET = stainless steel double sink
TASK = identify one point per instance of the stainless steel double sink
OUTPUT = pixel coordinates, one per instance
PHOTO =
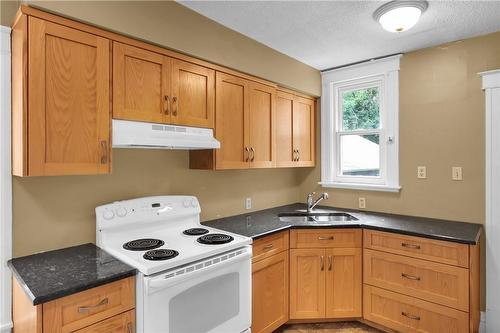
(316, 217)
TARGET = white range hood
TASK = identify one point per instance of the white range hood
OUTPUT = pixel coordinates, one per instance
(135, 134)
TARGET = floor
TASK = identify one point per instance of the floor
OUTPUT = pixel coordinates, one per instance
(340, 327)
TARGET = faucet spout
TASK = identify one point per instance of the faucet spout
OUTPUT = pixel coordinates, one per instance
(312, 203)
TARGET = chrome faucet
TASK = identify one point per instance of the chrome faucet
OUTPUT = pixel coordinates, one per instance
(310, 200)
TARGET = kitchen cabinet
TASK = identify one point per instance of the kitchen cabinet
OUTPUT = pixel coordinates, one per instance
(270, 283)
(244, 126)
(295, 130)
(149, 86)
(61, 92)
(325, 277)
(107, 308)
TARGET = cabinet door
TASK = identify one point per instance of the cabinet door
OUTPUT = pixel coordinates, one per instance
(270, 293)
(69, 113)
(307, 283)
(343, 283)
(285, 153)
(141, 84)
(122, 323)
(304, 131)
(232, 122)
(261, 126)
(193, 94)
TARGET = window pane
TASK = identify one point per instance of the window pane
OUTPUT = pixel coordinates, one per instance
(361, 109)
(360, 155)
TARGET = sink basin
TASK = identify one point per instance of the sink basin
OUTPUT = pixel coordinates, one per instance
(316, 217)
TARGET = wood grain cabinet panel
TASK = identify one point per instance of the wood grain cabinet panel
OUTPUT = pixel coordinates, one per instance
(193, 94)
(343, 283)
(304, 130)
(325, 238)
(141, 84)
(66, 126)
(261, 125)
(122, 323)
(307, 283)
(270, 245)
(407, 314)
(270, 293)
(418, 247)
(439, 283)
(285, 152)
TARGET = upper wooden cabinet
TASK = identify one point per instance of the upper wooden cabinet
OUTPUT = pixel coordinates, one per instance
(245, 117)
(61, 100)
(295, 130)
(151, 87)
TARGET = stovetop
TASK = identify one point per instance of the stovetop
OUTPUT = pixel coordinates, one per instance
(158, 224)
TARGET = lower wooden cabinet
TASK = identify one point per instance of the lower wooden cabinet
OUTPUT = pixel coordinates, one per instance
(325, 283)
(270, 282)
(408, 314)
(108, 308)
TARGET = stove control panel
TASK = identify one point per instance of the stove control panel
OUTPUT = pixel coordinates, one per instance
(148, 209)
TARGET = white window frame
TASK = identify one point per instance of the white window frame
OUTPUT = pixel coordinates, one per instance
(381, 73)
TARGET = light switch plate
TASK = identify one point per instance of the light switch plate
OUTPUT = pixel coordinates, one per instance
(248, 203)
(456, 173)
(362, 203)
(422, 172)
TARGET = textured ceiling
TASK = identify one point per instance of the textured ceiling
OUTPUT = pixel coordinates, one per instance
(325, 34)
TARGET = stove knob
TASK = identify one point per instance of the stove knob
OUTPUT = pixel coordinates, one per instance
(194, 203)
(185, 203)
(108, 214)
(121, 212)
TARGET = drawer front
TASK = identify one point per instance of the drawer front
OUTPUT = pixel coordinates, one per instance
(122, 323)
(270, 245)
(82, 309)
(418, 247)
(408, 314)
(325, 238)
(431, 281)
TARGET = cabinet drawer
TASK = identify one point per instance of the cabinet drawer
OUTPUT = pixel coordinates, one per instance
(270, 245)
(122, 323)
(408, 314)
(434, 282)
(325, 238)
(74, 312)
(418, 247)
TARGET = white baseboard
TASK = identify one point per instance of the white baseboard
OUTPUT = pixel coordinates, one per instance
(482, 323)
(6, 328)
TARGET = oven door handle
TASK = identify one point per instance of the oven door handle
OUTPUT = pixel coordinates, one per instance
(166, 280)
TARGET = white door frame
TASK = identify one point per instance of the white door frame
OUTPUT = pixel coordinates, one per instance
(5, 184)
(491, 86)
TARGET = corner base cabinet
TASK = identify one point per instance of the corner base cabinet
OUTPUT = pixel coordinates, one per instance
(104, 309)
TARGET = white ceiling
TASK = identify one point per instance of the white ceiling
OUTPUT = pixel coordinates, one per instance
(325, 34)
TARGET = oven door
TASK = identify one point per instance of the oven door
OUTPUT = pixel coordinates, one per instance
(209, 296)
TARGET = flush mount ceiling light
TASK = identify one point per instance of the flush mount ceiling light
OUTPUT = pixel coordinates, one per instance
(399, 15)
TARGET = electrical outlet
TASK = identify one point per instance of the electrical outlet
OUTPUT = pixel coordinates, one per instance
(362, 203)
(456, 173)
(421, 172)
(248, 203)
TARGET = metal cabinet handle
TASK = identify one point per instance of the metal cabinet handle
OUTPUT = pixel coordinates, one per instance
(167, 105)
(267, 247)
(104, 152)
(247, 153)
(410, 277)
(322, 263)
(253, 154)
(325, 238)
(330, 262)
(410, 246)
(130, 328)
(174, 101)
(410, 316)
(83, 309)
(298, 155)
(294, 155)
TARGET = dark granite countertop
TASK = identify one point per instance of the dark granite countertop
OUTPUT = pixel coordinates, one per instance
(50, 275)
(265, 222)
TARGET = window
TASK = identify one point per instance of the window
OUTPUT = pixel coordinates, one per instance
(360, 126)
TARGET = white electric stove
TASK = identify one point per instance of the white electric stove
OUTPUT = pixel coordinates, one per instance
(192, 278)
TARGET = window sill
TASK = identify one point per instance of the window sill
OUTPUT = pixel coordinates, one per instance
(364, 187)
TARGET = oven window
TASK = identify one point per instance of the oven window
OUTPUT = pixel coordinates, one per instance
(206, 305)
